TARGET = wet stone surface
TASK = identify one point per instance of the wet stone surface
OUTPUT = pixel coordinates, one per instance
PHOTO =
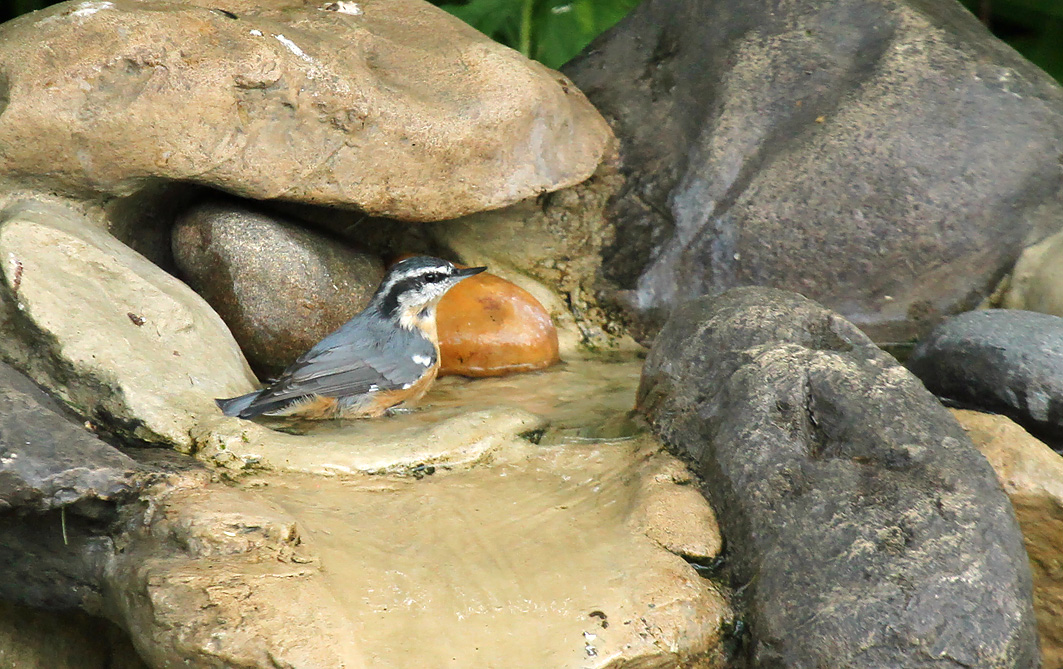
(578, 535)
(491, 327)
(504, 564)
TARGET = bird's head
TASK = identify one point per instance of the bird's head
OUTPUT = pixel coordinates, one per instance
(414, 286)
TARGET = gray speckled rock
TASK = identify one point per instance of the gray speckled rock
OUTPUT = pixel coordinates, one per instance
(280, 288)
(1002, 360)
(48, 461)
(870, 531)
(888, 158)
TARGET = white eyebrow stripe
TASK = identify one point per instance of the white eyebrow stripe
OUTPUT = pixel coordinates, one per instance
(395, 278)
(425, 270)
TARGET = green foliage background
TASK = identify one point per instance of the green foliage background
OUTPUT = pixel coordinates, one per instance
(550, 31)
(553, 31)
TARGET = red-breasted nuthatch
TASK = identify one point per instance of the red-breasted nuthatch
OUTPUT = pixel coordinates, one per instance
(387, 355)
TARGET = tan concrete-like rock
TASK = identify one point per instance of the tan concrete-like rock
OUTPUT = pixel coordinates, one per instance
(130, 346)
(212, 576)
(109, 332)
(280, 288)
(459, 424)
(529, 563)
(1032, 475)
(491, 327)
(1037, 280)
(394, 107)
(523, 555)
(674, 513)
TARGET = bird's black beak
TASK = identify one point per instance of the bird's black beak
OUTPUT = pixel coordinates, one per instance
(463, 273)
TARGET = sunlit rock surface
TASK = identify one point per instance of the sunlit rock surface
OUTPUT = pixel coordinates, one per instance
(1032, 475)
(107, 331)
(491, 327)
(396, 107)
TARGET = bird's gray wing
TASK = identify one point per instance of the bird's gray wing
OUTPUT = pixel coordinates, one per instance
(380, 361)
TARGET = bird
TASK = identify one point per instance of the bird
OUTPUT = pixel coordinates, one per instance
(387, 355)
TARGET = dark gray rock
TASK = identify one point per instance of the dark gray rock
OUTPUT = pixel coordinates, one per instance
(888, 158)
(870, 531)
(1000, 360)
(48, 461)
(280, 288)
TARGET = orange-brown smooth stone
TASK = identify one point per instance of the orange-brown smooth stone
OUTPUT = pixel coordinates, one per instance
(491, 327)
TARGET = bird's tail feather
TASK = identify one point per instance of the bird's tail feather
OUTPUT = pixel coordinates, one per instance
(237, 406)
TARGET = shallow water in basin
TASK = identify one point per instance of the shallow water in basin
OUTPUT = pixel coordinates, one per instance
(571, 396)
(533, 559)
(583, 398)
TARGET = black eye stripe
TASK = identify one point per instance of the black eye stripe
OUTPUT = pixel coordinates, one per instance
(389, 301)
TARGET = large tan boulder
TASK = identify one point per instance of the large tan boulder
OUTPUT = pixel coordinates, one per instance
(394, 107)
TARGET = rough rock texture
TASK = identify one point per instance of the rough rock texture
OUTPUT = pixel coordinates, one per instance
(869, 530)
(135, 349)
(1036, 284)
(394, 107)
(48, 461)
(278, 287)
(33, 639)
(1000, 360)
(888, 158)
(198, 574)
(491, 327)
(694, 534)
(553, 241)
(107, 331)
(1032, 475)
(280, 574)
